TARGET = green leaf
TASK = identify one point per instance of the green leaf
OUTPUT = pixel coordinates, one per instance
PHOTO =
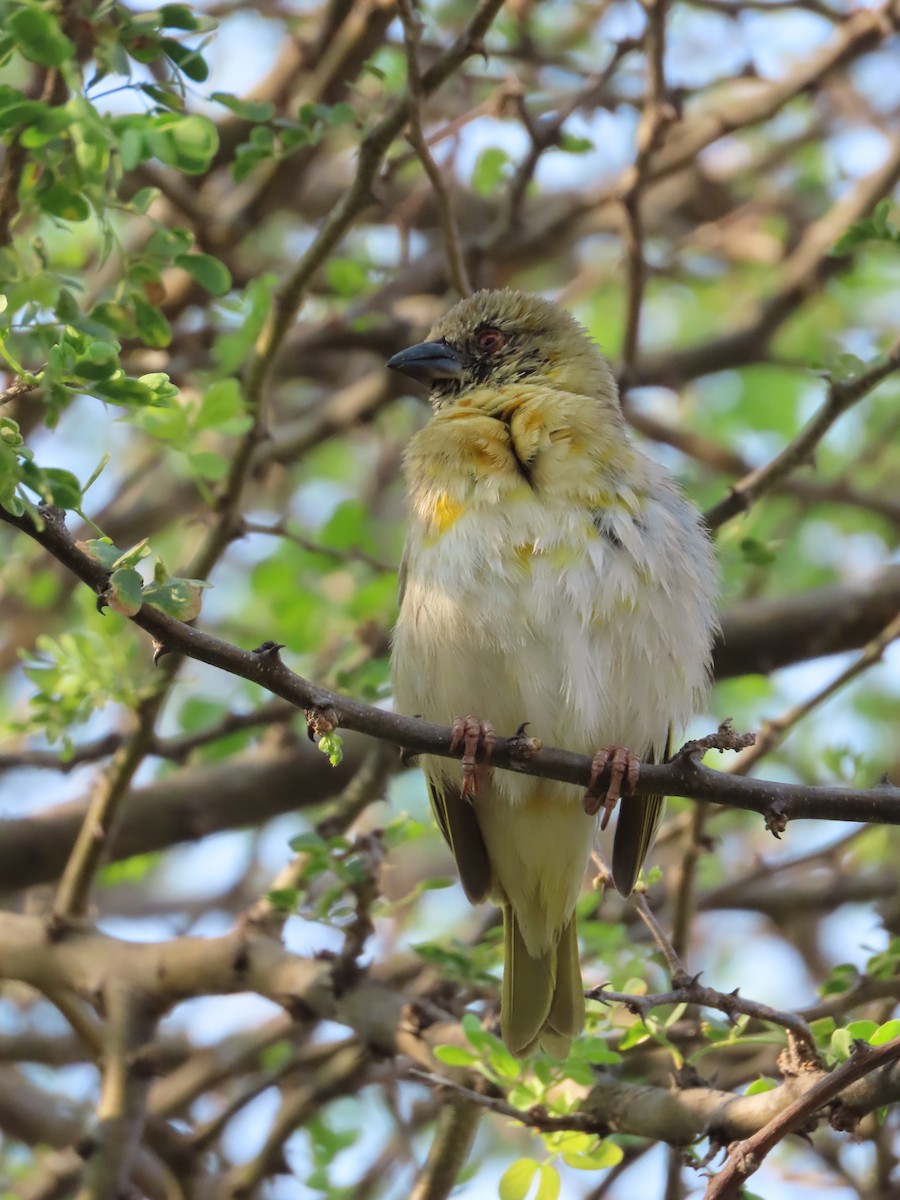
(455, 1056)
(862, 1031)
(885, 1033)
(52, 484)
(39, 36)
(209, 272)
(763, 1084)
(152, 325)
(283, 899)
(490, 169)
(179, 598)
(575, 145)
(102, 550)
(549, 1183)
(306, 843)
(177, 16)
(60, 201)
(124, 591)
(195, 140)
(755, 551)
(222, 408)
(127, 392)
(346, 276)
(191, 62)
(250, 110)
(515, 1182)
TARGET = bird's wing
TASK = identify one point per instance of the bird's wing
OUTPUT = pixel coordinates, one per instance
(636, 826)
(459, 825)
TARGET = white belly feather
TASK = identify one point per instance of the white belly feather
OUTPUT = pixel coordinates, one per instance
(522, 611)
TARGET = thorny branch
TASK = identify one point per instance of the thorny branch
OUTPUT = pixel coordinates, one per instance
(779, 803)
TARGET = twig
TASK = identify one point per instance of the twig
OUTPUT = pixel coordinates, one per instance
(747, 1156)
(351, 554)
(658, 114)
(456, 262)
(91, 844)
(842, 395)
(454, 1134)
(729, 1003)
(675, 967)
(774, 731)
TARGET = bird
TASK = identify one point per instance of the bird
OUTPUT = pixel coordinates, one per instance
(552, 575)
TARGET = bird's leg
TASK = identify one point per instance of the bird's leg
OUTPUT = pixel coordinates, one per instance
(623, 769)
(473, 735)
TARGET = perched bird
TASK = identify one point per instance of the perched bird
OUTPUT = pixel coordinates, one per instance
(552, 574)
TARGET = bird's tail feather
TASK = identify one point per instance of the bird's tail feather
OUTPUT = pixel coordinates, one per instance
(543, 997)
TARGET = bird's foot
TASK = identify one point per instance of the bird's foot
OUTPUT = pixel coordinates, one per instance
(623, 770)
(473, 735)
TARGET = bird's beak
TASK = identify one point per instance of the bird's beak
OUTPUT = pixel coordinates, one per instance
(428, 361)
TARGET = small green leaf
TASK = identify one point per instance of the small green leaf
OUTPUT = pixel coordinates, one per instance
(515, 1182)
(346, 276)
(250, 110)
(191, 62)
(549, 1183)
(152, 326)
(283, 899)
(763, 1084)
(310, 842)
(455, 1056)
(575, 145)
(178, 598)
(222, 408)
(209, 272)
(39, 36)
(124, 591)
(490, 169)
(757, 552)
(60, 201)
(861, 1031)
(102, 551)
(195, 141)
(134, 554)
(177, 16)
(885, 1033)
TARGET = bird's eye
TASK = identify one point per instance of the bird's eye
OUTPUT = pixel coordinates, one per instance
(491, 340)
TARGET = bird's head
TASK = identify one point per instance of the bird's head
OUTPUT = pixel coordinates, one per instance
(499, 338)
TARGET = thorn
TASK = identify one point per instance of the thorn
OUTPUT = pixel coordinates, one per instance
(521, 746)
(268, 651)
(408, 758)
(776, 820)
(159, 650)
(102, 602)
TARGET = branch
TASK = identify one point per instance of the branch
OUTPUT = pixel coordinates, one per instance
(658, 114)
(693, 992)
(457, 1125)
(759, 636)
(747, 1156)
(842, 395)
(456, 262)
(682, 776)
(121, 1109)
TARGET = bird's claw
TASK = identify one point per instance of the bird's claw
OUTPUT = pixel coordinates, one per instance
(473, 735)
(624, 768)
